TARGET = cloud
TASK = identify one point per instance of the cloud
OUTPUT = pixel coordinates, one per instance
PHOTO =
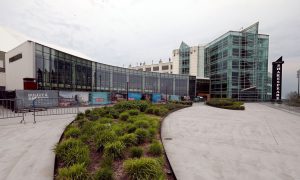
(130, 31)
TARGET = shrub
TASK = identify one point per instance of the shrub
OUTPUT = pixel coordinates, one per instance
(88, 128)
(119, 129)
(105, 173)
(127, 105)
(79, 116)
(155, 149)
(136, 152)
(105, 120)
(130, 128)
(150, 110)
(114, 150)
(106, 162)
(133, 112)
(124, 116)
(160, 111)
(73, 132)
(72, 151)
(76, 172)
(112, 112)
(141, 124)
(143, 168)
(226, 103)
(129, 139)
(101, 127)
(142, 135)
(152, 132)
(104, 137)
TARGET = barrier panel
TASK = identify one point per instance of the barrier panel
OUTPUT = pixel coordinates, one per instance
(8, 108)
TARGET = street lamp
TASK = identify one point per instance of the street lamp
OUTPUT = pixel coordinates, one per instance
(298, 76)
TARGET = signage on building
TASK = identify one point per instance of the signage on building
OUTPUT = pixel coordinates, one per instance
(277, 79)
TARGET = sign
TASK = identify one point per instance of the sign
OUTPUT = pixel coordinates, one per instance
(277, 79)
(97, 98)
(44, 98)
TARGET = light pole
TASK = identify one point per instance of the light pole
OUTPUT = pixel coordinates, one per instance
(298, 76)
(127, 89)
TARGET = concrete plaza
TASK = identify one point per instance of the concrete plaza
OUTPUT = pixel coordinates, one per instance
(260, 143)
(26, 149)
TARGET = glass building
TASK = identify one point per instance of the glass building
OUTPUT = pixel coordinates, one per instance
(57, 70)
(237, 65)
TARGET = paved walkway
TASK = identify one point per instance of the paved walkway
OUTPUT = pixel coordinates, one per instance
(26, 149)
(260, 143)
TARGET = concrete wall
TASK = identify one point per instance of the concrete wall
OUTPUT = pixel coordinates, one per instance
(193, 60)
(19, 69)
(200, 71)
(2, 69)
(175, 59)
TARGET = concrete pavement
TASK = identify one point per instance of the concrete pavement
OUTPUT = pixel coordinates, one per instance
(26, 149)
(260, 143)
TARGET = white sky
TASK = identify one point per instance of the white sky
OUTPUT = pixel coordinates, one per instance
(123, 32)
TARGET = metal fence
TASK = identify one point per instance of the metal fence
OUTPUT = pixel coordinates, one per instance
(8, 109)
(13, 108)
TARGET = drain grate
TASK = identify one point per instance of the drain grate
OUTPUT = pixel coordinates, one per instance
(167, 138)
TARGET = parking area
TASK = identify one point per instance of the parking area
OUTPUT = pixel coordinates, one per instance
(260, 143)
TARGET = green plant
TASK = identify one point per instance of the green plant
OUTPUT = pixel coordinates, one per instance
(127, 105)
(114, 150)
(105, 120)
(142, 135)
(124, 116)
(105, 173)
(143, 168)
(150, 110)
(104, 137)
(141, 124)
(73, 132)
(106, 162)
(75, 172)
(152, 132)
(72, 151)
(155, 149)
(133, 112)
(129, 139)
(80, 116)
(136, 152)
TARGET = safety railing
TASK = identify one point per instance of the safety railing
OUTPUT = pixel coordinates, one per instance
(12, 108)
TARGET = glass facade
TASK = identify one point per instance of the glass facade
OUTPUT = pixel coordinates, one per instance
(237, 65)
(184, 59)
(56, 70)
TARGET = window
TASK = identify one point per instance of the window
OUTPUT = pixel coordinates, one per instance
(235, 52)
(156, 68)
(15, 58)
(165, 67)
(148, 69)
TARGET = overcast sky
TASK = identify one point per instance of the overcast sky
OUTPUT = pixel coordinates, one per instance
(123, 32)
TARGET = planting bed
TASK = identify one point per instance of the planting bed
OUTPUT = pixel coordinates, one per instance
(118, 142)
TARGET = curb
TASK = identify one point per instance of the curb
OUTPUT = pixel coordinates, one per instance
(161, 122)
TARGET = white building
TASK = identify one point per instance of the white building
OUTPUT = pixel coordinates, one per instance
(161, 67)
(188, 60)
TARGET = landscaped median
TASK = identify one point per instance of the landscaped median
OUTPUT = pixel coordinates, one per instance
(118, 142)
(226, 103)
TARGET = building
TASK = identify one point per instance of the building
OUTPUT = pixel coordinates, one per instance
(2, 70)
(55, 68)
(188, 60)
(237, 65)
(161, 67)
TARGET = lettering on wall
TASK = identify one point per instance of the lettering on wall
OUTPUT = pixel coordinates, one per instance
(277, 79)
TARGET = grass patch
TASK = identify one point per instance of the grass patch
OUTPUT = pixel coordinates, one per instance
(226, 103)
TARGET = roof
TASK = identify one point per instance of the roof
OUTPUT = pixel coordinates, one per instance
(10, 39)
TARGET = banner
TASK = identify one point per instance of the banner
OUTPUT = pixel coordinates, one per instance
(134, 96)
(156, 97)
(174, 98)
(42, 98)
(69, 98)
(97, 98)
